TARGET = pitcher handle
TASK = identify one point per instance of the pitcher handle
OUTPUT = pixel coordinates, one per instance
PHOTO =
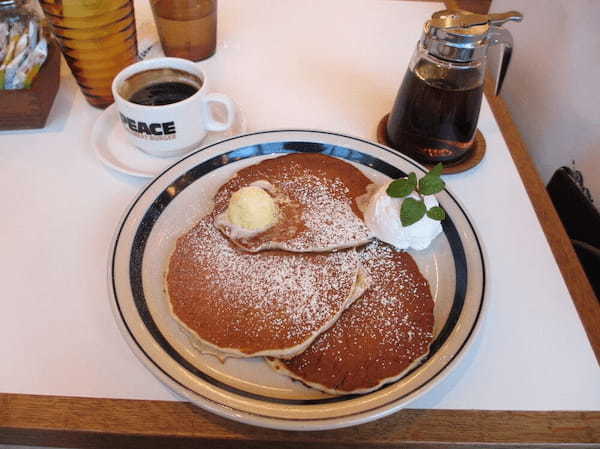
(501, 36)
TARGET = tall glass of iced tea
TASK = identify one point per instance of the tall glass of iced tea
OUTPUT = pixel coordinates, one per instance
(187, 28)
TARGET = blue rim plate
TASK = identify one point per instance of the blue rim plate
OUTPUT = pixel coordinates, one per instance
(247, 390)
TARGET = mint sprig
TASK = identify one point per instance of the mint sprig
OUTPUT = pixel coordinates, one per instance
(431, 183)
(412, 210)
(402, 187)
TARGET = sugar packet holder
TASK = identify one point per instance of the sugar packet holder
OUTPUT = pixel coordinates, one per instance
(23, 50)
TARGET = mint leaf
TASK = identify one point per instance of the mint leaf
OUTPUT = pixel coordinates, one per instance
(437, 170)
(436, 213)
(411, 211)
(402, 187)
(431, 183)
(412, 177)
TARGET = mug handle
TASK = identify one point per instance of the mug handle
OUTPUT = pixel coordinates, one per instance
(213, 124)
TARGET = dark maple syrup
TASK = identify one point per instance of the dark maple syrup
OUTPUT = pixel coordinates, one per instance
(434, 120)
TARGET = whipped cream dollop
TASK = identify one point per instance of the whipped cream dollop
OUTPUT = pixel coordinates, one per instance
(382, 217)
(251, 210)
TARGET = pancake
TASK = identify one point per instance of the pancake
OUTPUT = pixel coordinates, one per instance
(317, 200)
(256, 304)
(379, 338)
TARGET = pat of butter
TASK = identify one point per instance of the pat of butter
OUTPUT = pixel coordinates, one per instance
(252, 208)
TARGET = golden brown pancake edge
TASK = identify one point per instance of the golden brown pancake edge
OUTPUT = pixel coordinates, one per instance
(205, 265)
(346, 359)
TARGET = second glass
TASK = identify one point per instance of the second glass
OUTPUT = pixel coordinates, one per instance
(187, 28)
(97, 38)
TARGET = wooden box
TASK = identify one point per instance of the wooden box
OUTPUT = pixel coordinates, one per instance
(29, 108)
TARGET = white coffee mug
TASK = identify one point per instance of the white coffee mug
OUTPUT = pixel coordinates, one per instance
(170, 129)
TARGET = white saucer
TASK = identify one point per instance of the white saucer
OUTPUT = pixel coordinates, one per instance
(110, 143)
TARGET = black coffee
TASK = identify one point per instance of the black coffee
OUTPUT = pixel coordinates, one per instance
(156, 87)
(163, 93)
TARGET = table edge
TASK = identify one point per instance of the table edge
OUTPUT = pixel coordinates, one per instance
(94, 423)
(580, 289)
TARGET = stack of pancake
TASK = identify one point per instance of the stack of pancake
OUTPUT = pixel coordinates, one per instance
(314, 293)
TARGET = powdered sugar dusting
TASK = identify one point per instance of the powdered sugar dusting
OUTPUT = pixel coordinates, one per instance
(327, 214)
(404, 299)
(317, 205)
(380, 336)
(267, 299)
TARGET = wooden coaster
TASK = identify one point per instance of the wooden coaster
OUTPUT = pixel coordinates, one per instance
(470, 160)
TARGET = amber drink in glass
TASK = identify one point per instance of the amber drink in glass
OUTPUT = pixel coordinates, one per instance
(187, 28)
(98, 39)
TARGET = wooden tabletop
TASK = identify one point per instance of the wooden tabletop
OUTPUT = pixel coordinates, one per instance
(102, 423)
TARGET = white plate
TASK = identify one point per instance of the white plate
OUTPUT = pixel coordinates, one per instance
(247, 390)
(113, 149)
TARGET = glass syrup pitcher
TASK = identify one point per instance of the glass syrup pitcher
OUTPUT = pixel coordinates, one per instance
(434, 117)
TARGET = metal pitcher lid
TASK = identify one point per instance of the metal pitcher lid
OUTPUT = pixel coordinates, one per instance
(461, 36)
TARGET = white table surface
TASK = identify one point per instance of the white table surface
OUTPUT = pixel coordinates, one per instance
(333, 65)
